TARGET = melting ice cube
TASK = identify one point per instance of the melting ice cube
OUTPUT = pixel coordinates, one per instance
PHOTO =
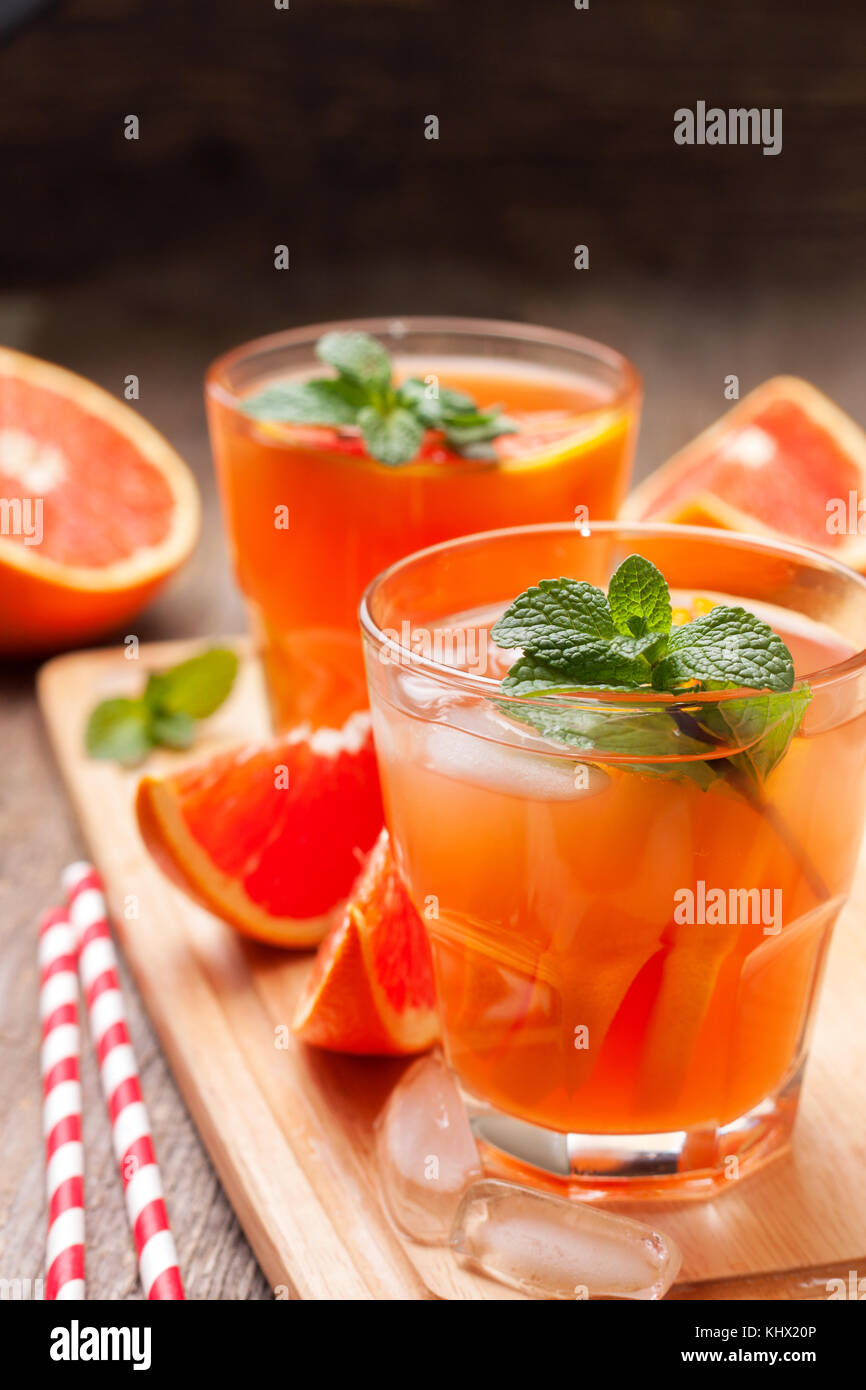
(531, 770)
(427, 1155)
(551, 1247)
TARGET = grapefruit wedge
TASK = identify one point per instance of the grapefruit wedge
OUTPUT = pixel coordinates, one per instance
(96, 508)
(785, 462)
(270, 838)
(371, 990)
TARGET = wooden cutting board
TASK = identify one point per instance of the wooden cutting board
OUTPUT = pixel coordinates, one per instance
(290, 1130)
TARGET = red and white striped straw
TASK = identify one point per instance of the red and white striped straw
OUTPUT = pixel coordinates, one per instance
(130, 1126)
(61, 1106)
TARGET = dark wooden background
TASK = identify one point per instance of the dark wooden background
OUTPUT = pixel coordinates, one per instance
(306, 127)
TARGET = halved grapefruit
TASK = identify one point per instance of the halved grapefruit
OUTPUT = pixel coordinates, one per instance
(96, 508)
(270, 838)
(785, 462)
(371, 988)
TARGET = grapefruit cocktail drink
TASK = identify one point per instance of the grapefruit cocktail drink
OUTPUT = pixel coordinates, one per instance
(453, 426)
(629, 888)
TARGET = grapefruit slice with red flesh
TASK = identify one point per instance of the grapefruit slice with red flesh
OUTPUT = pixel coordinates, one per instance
(542, 438)
(781, 463)
(96, 508)
(270, 838)
(371, 989)
(548, 440)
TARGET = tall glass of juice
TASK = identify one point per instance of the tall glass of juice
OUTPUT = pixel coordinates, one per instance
(629, 896)
(312, 517)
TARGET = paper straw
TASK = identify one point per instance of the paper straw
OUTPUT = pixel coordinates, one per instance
(61, 1107)
(130, 1126)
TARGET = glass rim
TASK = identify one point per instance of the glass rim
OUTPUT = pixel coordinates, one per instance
(487, 686)
(396, 325)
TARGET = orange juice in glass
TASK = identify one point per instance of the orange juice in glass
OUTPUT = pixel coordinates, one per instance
(312, 516)
(629, 923)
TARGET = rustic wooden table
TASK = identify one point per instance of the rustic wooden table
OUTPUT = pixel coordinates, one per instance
(165, 323)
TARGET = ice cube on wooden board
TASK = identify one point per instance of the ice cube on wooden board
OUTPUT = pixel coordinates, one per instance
(425, 1150)
(552, 1247)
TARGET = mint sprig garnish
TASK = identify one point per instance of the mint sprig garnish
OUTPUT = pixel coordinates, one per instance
(574, 639)
(125, 730)
(566, 630)
(392, 419)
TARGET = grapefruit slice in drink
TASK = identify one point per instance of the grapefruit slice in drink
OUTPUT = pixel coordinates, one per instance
(548, 440)
(784, 462)
(96, 508)
(371, 989)
(270, 838)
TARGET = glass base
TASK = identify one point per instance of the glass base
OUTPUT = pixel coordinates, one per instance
(696, 1163)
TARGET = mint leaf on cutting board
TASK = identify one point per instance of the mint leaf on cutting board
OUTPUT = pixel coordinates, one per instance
(119, 730)
(196, 687)
(124, 730)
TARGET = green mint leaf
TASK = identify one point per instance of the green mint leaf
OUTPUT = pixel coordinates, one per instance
(639, 598)
(125, 730)
(433, 404)
(553, 614)
(393, 436)
(322, 402)
(357, 356)
(626, 731)
(566, 630)
(478, 423)
(651, 647)
(454, 403)
(421, 400)
(610, 736)
(727, 647)
(765, 724)
(195, 687)
(119, 729)
(468, 435)
(596, 665)
(175, 730)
